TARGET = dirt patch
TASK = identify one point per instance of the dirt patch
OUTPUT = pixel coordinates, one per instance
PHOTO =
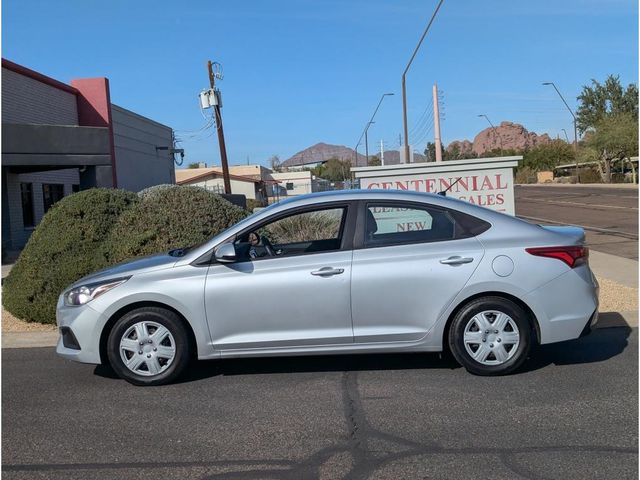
(13, 324)
(615, 297)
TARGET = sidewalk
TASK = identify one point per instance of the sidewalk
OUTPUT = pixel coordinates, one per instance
(622, 271)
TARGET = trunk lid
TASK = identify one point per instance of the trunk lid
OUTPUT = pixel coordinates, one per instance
(576, 234)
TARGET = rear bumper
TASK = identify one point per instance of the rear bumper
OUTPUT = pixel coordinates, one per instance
(566, 307)
(590, 324)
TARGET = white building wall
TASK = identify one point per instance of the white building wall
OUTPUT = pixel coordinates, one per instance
(301, 182)
(19, 233)
(26, 100)
(238, 187)
(138, 164)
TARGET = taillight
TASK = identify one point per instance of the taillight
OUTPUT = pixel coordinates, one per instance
(571, 255)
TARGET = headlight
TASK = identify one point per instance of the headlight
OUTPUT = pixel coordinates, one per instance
(85, 293)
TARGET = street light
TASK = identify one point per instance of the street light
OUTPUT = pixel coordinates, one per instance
(364, 133)
(404, 89)
(575, 128)
(366, 142)
(495, 132)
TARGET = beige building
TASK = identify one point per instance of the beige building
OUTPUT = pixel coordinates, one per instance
(211, 179)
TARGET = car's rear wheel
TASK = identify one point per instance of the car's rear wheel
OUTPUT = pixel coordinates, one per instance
(490, 336)
(149, 346)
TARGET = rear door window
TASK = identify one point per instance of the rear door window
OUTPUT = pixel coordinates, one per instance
(396, 224)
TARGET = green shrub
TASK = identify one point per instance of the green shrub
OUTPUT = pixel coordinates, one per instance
(253, 203)
(526, 175)
(64, 247)
(170, 217)
(305, 227)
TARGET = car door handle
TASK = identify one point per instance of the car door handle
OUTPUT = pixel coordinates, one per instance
(327, 271)
(456, 260)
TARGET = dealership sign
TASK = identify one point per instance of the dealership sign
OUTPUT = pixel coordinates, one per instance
(487, 182)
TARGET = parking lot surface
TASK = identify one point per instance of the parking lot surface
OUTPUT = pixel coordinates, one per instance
(571, 413)
(609, 214)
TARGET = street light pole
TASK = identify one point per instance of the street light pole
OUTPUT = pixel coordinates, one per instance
(404, 87)
(366, 143)
(495, 132)
(364, 133)
(575, 128)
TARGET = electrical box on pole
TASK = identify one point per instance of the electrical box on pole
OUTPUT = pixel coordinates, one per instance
(214, 101)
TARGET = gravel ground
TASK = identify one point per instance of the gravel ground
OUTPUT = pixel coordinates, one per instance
(13, 324)
(614, 297)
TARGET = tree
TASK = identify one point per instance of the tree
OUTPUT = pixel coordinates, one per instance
(549, 155)
(608, 116)
(615, 138)
(275, 163)
(334, 170)
(374, 161)
(430, 152)
(193, 165)
(600, 101)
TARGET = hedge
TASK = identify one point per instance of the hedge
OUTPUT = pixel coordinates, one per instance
(66, 245)
(170, 217)
(96, 228)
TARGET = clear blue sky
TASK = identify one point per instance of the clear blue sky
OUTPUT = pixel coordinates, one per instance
(303, 71)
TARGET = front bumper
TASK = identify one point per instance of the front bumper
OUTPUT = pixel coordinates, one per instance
(80, 329)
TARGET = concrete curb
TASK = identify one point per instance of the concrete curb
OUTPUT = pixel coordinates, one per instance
(619, 269)
(29, 339)
(50, 339)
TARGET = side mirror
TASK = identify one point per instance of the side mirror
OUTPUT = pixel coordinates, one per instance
(225, 253)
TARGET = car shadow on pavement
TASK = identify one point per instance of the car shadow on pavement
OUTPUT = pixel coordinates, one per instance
(602, 344)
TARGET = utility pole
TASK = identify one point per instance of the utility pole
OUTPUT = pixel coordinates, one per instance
(575, 127)
(223, 147)
(436, 123)
(381, 152)
(404, 87)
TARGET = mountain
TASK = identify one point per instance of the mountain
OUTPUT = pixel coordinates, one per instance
(321, 152)
(507, 135)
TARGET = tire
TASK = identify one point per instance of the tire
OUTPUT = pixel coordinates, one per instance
(474, 343)
(162, 334)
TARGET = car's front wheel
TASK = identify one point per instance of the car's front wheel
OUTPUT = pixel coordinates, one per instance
(149, 346)
(490, 336)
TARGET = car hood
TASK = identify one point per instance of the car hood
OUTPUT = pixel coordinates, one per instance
(137, 266)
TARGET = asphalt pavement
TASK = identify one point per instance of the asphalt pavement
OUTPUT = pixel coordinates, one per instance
(572, 412)
(609, 214)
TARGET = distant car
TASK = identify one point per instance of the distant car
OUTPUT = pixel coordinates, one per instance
(339, 272)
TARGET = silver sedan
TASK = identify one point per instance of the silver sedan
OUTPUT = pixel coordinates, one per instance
(339, 272)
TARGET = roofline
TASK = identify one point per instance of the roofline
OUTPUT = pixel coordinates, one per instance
(215, 173)
(27, 72)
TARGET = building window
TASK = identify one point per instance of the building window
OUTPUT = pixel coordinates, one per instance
(75, 188)
(26, 191)
(289, 185)
(51, 193)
